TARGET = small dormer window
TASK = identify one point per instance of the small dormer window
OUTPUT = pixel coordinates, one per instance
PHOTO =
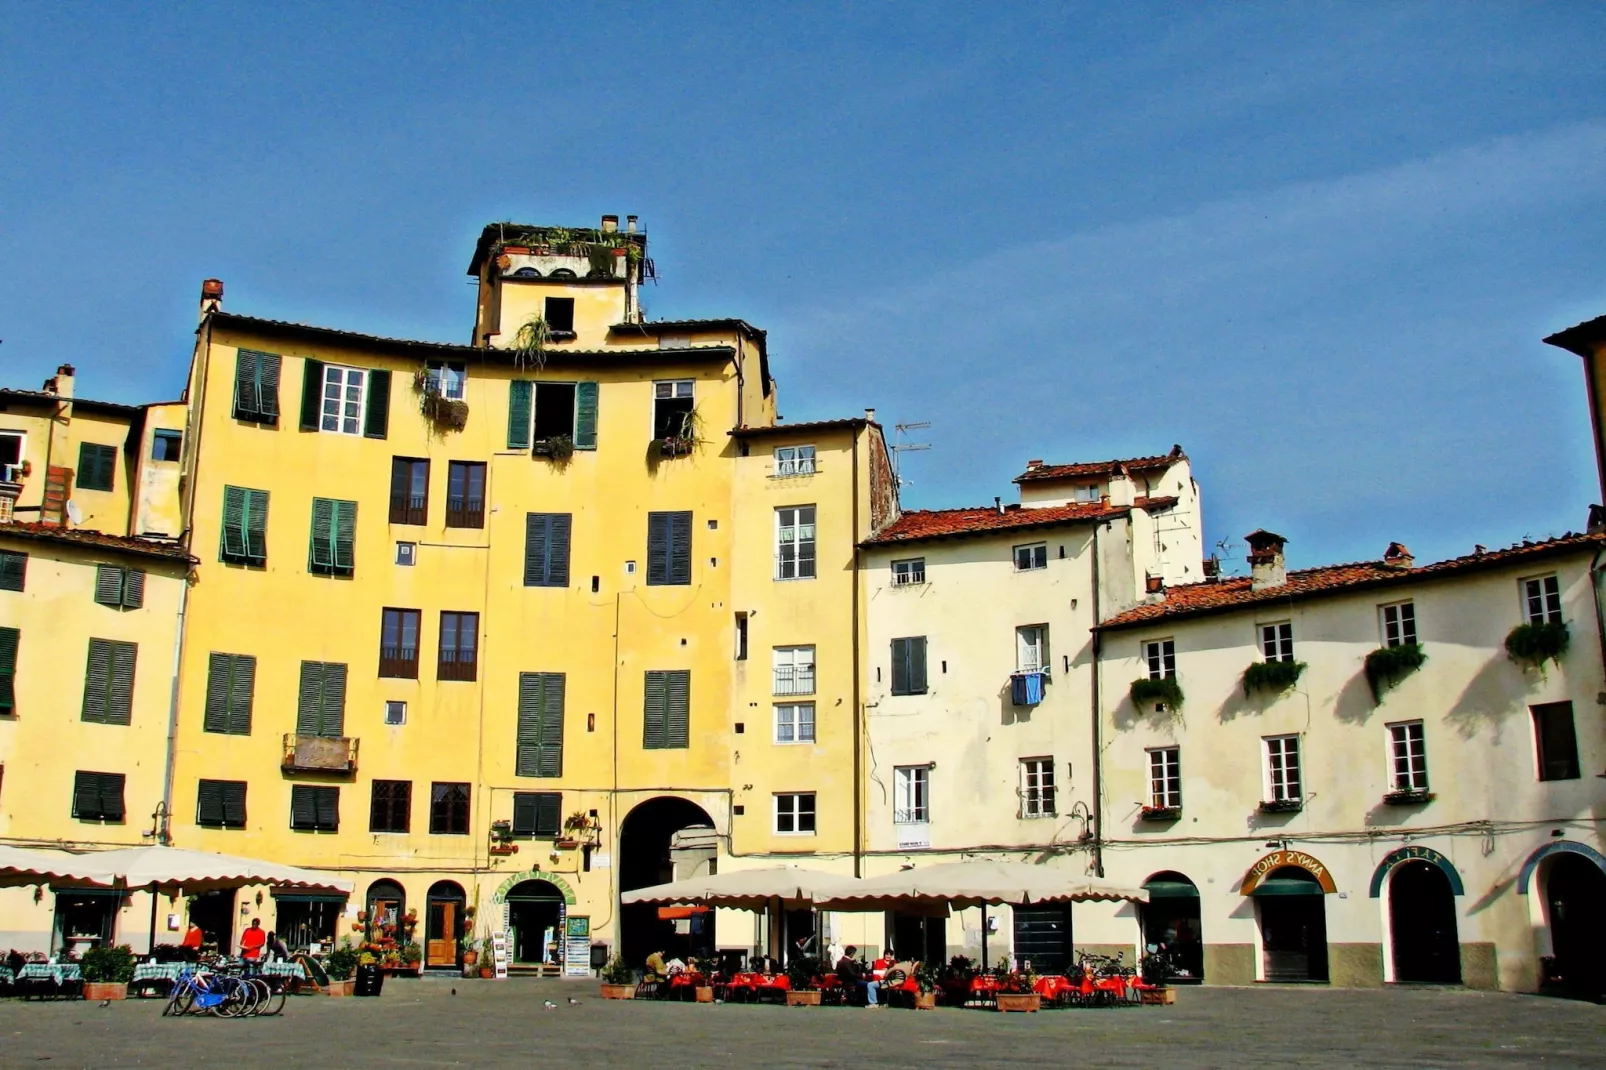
(447, 379)
(1090, 492)
(672, 405)
(560, 314)
(794, 461)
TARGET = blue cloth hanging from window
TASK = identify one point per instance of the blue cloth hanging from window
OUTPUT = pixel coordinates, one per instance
(1026, 688)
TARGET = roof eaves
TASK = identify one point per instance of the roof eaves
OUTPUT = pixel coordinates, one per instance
(96, 540)
(883, 539)
(1581, 338)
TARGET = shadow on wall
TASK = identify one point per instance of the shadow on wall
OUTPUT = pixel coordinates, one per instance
(1386, 814)
(1129, 715)
(1497, 692)
(1259, 820)
(1008, 712)
(1354, 703)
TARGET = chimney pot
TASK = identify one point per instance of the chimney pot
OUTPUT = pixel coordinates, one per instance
(630, 223)
(1035, 462)
(1267, 567)
(869, 414)
(610, 224)
(211, 296)
(998, 503)
(1398, 556)
(62, 384)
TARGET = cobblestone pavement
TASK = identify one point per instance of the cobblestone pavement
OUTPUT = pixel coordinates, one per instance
(497, 1024)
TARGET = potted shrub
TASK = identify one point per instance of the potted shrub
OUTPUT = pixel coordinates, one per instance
(340, 964)
(618, 980)
(1388, 665)
(1273, 677)
(487, 959)
(107, 971)
(1157, 972)
(412, 957)
(1015, 991)
(1531, 645)
(804, 975)
(1162, 695)
(956, 980)
(928, 978)
(706, 969)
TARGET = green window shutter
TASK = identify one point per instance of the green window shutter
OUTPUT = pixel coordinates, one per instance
(97, 467)
(108, 585)
(111, 796)
(551, 757)
(519, 394)
(268, 387)
(97, 680)
(13, 570)
(654, 711)
(585, 416)
(86, 796)
(526, 805)
(241, 689)
(677, 716)
(548, 819)
(680, 548)
(234, 502)
(376, 414)
(345, 537)
(234, 804)
(327, 801)
(900, 666)
(321, 554)
(9, 639)
(120, 688)
(917, 665)
(557, 550)
(311, 394)
(527, 756)
(256, 526)
(536, 528)
(334, 700)
(303, 810)
(309, 699)
(133, 588)
(663, 550)
(218, 684)
(247, 385)
(209, 803)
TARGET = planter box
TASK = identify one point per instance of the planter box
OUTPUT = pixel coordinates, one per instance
(98, 990)
(1019, 1001)
(705, 994)
(925, 1001)
(339, 988)
(618, 991)
(807, 998)
(1407, 798)
(1159, 995)
(1161, 813)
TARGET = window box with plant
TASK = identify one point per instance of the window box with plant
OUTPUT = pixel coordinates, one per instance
(1272, 677)
(618, 980)
(446, 413)
(502, 839)
(1162, 695)
(1016, 989)
(559, 447)
(1531, 645)
(1282, 806)
(1407, 797)
(1161, 813)
(1388, 665)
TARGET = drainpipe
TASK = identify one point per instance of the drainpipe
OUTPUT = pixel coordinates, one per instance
(858, 706)
(1098, 734)
(163, 824)
(1595, 571)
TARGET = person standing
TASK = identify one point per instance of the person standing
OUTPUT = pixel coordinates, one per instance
(252, 941)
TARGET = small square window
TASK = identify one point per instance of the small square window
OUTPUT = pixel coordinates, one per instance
(406, 553)
(794, 814)
(908, 573)
(1161, 657)
(560, 314)
(448, 379)
(1541, 597)
(1277, 641)
(794, 723)
(1031, 557)
(395, 712)
(1399, 624)
(166, 445)
(630, 567)
(794, 461)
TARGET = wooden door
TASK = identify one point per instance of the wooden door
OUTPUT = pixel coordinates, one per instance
(441, 936)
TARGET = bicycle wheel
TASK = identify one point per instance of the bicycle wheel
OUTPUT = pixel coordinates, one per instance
(233, 998)
(278, 993)
(180, 1000)
(262, 994)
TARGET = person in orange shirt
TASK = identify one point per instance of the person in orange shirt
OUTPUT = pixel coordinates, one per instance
(251, 941)
(193, 937)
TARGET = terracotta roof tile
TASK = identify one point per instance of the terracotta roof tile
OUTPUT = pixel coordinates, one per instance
(846, 423)
(986, 520)
(1100, 468)
(90, 538)
(1196, 599)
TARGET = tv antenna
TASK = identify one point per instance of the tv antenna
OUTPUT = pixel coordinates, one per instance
(900, 447)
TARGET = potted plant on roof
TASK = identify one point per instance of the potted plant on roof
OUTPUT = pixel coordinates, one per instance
(107, 971)
(618, 980)
(803, 974)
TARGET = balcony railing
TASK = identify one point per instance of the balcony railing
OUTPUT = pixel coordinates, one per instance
(409, 509)
(398, 662)
(465, 512)
(794, 679)
(457, 665)
(319, 754)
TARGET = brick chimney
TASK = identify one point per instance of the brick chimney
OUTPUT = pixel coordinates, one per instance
(1397, 556)
(1266, 566)
(61, 384)
(211, 296)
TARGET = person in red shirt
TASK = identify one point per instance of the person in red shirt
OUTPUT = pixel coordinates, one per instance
(193, 937)
(251, 941)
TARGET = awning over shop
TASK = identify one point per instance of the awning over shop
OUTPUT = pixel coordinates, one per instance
(1171, 890)
(200, 871)
(978, 883)
(748, 889)
(679, 913)
(19, 866)
(1287, 886)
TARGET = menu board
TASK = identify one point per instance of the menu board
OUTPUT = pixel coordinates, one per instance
(577, 946)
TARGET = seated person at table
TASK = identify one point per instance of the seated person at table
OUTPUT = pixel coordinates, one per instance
(656, 965)
(851, 973)
(878, 968)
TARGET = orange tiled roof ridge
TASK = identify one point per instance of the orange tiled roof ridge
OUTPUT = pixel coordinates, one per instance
(1100, 468)
(90, 537)
(981, 520)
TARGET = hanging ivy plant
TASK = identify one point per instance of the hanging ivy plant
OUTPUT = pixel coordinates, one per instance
(529, 344)
(1272, 675)
(1531, 645)
(1146, 692)
(1388, 665)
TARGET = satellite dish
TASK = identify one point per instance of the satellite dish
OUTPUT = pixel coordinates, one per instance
(75, 514)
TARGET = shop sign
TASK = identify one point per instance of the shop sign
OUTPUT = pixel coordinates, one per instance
(1278, 859)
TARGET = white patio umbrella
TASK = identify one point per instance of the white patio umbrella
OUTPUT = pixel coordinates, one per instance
(748, 889)
(19, 866)
(201, 871)
(976, 883)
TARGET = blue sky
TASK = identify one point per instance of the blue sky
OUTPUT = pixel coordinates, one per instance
(1317, 245)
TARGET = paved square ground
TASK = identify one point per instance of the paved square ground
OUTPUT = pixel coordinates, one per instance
(503, 1024)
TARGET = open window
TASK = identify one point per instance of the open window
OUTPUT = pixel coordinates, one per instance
(559, 315)
(554, 408)
(672, 405)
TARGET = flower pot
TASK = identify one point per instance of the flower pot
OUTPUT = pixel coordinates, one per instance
(705, 993)
(1159, 995)
(809, 997)
(925, 1001)
(567, 845)
(1019, 1001)
(339, 988)
(618, 991)
(522, 250)
(471, 958)
(487, 972)
(98, 990)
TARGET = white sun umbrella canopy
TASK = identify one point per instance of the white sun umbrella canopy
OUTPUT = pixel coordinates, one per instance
(747, 889)
(978, 883)
(19, 867)
(201, 871)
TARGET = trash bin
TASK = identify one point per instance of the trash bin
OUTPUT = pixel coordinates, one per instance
(370, 979)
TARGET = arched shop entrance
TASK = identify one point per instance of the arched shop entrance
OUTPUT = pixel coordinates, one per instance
(1171, 924)
(645, 860)
(535, 914)
(1289, 889)
(387, 907)
(443, 925)
(1573, 879)
(1423, 942)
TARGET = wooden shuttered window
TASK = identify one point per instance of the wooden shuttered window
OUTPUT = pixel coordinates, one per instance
(520, 402)
(256, 386)
(666, 711)
(311, 394)
(448, 809)
(321, 700)
(585, 416)
(909, 666)
(118, 586)
(13, 570)
(539, 746)
(97, 467)
(398, 644)
(391, 808)
(10, 638)
(333, 550)
(109, 682)
(669, 549)
(459, 650)
(376, 402)
(220, 804)
(409, 491)
(98, 796)
(537, 813)
(245, 526)
(465, 494)
(314, 808)
(546, 549)
(230, 684)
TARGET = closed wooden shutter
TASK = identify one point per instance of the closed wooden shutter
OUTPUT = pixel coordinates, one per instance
(215, 718)
(680, 548)
(525, 806)
(900, 666)
(133, 588)
(657, 548)
(311, 394)
(247, 392)
(268, 393)
(917, 665)
(552, 693)
(328, 803)
(303, 807)
(97, 467)
(234, 804)
(9, 640)
(677, 714)
(97, 678)
(209, 803)
(234, 501)
(558, 549)
(668, 548)
(345, 537)
(242, 690)
(654, 711)
(536, 528)
(111, 797)
(321, 701)
(376, 417)
(109, 585)
(539, 746)
(120, 691)
(86, 796)
(256, 526)
(548, 813)
(13, 571)
(585, 416)
(321, 554)
(520, 393)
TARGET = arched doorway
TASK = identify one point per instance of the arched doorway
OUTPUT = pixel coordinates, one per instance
(645, 859)
(1575, 891)
(443, 925)
(1422, 927)
(1292, 910)
(387, 906)
(1172, 926)
(535, 913)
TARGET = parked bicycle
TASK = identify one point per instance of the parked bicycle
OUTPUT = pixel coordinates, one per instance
(226, 990)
